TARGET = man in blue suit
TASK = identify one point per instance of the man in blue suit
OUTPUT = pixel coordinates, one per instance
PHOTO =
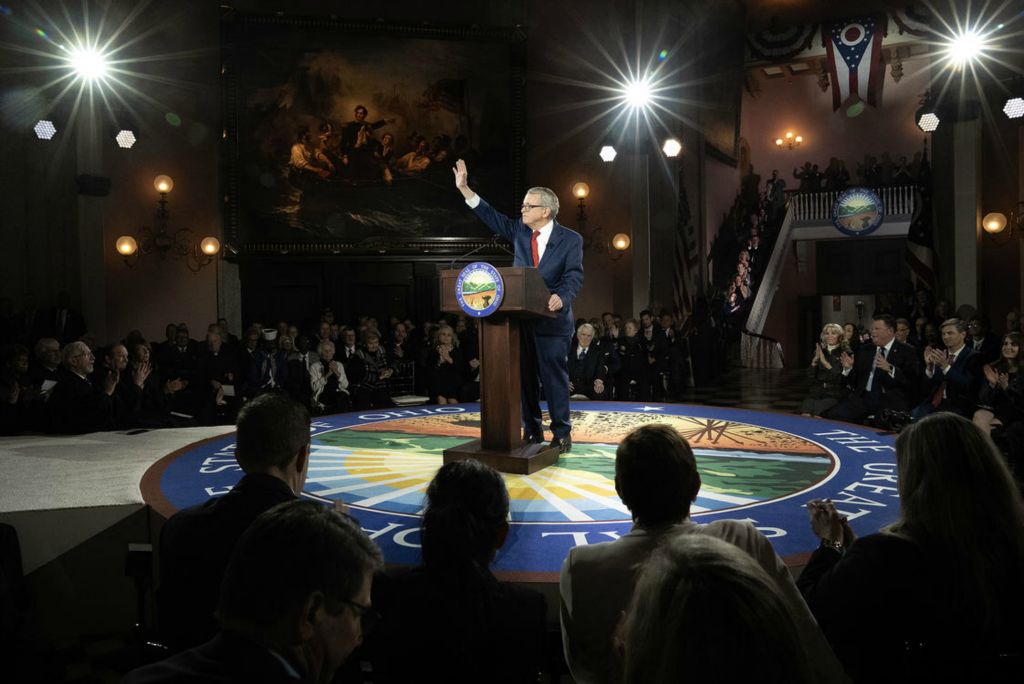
(557, 254)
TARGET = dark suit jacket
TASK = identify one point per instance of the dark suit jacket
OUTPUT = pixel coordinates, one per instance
(456, 627)
(228, 658)
(887, 592)
(561, 267)
(989, 351)
(195, 546)
(961, 384)
(583, 373)
(898, 392)
(75, 406)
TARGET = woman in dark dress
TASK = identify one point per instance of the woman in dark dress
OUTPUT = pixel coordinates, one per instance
(633, 381)
(446, 367)
(450, 619)
(1001, 398)
(938, 595)
(826, 372)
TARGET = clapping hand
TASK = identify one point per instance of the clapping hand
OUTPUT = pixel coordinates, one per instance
(881, 363)
(828, 524)
(991, 376)
(846, 360)
(140, 373)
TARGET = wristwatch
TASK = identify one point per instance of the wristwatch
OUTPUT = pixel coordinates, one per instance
(836, 546)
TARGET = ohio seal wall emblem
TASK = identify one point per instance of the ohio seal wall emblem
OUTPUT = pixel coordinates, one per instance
(858, 212)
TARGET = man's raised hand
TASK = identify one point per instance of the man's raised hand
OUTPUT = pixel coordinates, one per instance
(461, 175)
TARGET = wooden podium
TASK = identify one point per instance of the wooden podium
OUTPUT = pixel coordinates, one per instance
(500, 445)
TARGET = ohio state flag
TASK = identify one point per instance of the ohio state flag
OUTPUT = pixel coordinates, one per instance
(854, 49)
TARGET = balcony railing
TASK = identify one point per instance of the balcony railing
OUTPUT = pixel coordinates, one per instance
(816, 207)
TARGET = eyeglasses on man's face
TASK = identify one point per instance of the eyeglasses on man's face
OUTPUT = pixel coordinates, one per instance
(528, 207)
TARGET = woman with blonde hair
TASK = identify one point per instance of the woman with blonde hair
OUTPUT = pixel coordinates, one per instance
(446, 368)
(938, 595)
(705, 611)
(826, 371)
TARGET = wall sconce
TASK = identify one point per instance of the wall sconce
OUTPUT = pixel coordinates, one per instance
(790, 141)
(160, 241)
(999, 227)
(581, 191)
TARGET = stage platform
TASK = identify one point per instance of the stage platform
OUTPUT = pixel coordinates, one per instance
(755, 465)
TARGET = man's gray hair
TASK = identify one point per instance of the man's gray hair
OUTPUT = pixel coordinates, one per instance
(585, 327)
(548, 198)
(73, 349)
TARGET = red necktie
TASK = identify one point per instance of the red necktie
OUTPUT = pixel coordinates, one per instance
(534, 249)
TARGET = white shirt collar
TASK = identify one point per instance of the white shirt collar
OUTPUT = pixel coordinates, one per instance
(545, 230)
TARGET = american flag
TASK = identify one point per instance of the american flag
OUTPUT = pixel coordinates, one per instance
(920, 253)
(854, 50)
(686, 259)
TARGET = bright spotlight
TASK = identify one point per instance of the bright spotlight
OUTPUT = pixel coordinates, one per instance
(638, 93)
(607, 153)
(672, 147)
(88, 63)
(1014, 108)
(125, 139)
(928, 122)
(965, 48)
(45, 130)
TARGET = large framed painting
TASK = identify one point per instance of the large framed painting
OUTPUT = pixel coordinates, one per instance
(340, 136)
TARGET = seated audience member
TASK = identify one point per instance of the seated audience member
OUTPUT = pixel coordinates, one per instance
(446, 368)
(216, 378)
(633, 383)
(903, 331)
(195, 544)
(298, 377)
(938, 595)
(293, 603)
(162, 351)
(1012, 321)
(47, 362)
(656, 477)
(16, 392)
(982, 341)
(267, 373)
(705, 611)
(587, 370)
(851, 336)
(75, 405)
(882, 374)
(328, 383)
(450, 619)
(951, 374)
(826, 372)
(157, 392)
(373, 390)
(127, 396)
(346, 353)
(248, 362)
(1001, 398)
(402, 357)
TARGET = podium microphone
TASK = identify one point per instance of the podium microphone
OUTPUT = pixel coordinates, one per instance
(493, 242)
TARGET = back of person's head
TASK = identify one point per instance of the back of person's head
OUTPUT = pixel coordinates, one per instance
(656, 475)
(295, 557)
(271, 430)
(703, 610)
(466, 517)
(958, 499)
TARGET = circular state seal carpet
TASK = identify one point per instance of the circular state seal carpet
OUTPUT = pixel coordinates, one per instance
(756, 466)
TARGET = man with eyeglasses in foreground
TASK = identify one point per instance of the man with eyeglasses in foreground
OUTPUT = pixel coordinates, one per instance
(557, 254)
(294, 602)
